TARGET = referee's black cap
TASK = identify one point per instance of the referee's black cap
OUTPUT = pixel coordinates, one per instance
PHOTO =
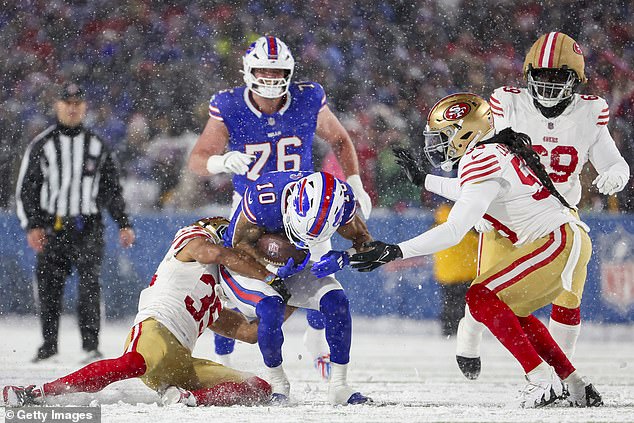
(71, 90)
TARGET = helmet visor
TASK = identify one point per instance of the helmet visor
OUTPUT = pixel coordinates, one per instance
(551, 86)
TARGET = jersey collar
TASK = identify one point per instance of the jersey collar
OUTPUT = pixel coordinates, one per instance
(258, 113)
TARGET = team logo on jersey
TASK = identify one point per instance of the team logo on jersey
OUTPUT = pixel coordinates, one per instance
(617, 269)
(457, 111)
(577, 49)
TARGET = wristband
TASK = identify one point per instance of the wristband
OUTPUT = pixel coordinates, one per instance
(270, 278)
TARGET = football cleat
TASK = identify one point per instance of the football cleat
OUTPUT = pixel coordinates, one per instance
(469, 366)
(280, 386)
(323, 366)
(584, 394)
(175, 395)
(44, 353)
(18, 396)
(544, 388)
(345, 395)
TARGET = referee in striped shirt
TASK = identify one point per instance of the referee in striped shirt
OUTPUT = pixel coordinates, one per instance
(66, 178)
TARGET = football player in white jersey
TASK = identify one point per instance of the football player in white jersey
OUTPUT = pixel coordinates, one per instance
(567, 130)
(501, 179)
(174, 310)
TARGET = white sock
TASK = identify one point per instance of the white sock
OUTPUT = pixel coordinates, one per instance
(469, 336)
(224, 359)
(541, 372)
(315, 342)
(565, 335)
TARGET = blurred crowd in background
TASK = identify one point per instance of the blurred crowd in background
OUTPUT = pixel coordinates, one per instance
(149, 68)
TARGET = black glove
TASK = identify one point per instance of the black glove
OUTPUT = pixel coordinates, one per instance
(380, 254)
(279, 286)
(413, 165)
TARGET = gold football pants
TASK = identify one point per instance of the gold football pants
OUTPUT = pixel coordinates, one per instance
(528, 277)
(168, 362)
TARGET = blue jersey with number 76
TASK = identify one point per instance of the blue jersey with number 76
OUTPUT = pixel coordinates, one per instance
(280, 141)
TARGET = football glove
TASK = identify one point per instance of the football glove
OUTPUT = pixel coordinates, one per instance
(365, 204)
(380, 254)
(414, 167)
(331, 262)
(290, 268)
(609, 183)
(233, 162)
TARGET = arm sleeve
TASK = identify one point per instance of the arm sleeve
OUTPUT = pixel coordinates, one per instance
(445, 187)
(605, 156)
(472, 204)
(110, 193)
(28, 189)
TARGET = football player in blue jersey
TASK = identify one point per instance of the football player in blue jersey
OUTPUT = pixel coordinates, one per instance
(309, 207)
(269, 125)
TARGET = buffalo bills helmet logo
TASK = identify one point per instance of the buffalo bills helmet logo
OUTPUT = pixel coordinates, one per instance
(457, 111)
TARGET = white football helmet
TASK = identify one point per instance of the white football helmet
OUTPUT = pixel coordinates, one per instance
(314, 209)
(268, 53)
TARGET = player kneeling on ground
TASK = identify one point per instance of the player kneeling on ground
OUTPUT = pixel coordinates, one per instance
(174, 310)
(501, 179)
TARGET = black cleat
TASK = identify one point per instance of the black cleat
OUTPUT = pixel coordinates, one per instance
(44, 353)
(469, 366)
(590, 398)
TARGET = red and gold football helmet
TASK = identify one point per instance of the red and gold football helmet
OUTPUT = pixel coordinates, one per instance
(453, 124)
(554, 67)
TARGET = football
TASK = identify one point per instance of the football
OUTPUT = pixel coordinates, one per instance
(277, 249)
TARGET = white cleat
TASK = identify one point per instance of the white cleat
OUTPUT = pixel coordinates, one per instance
(18, 396)
(280, 386)
(544, 388)
(339, 393)
(582, 393)
(175, 395)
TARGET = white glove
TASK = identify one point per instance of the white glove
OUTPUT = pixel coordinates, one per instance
(365, 204)
(231, 162)
(483, 226)
(609, 182)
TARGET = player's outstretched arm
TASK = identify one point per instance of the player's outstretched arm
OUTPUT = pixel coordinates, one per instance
(205, 252)
(334, 261)
(232, 324)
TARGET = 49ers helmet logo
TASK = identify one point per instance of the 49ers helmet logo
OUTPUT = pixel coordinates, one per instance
(457, 111)
(577, 49)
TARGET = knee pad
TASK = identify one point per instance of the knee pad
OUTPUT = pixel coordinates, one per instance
(315, 319)
(335, 303)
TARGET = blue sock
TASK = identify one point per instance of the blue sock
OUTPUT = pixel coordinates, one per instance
(270, 310)
(224, 345)
(336, 309)
(315, 319)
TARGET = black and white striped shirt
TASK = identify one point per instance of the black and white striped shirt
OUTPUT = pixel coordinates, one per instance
(68, 172)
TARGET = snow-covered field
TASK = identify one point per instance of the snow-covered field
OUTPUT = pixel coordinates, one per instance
(406, 366)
